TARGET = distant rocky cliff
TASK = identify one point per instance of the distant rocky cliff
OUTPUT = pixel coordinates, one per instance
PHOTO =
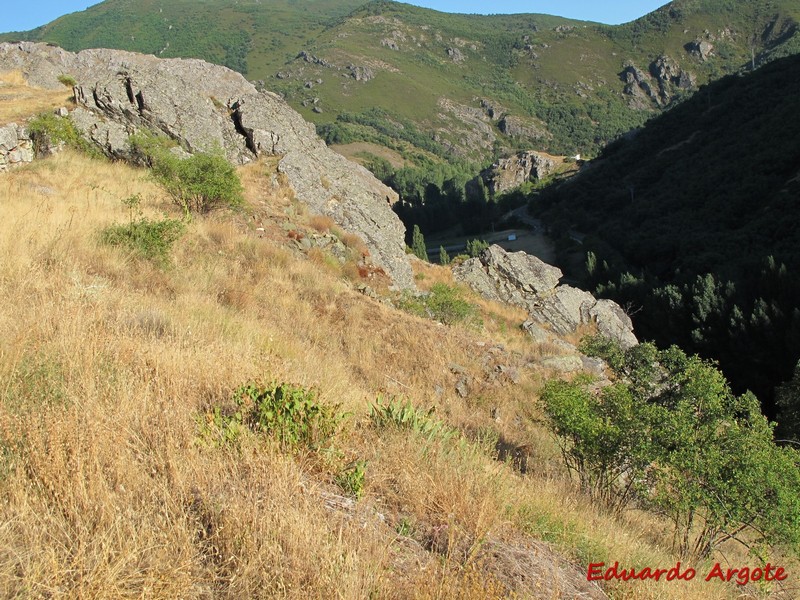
(206, 107)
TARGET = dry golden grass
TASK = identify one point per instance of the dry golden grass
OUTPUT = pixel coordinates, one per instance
(18, 100)
(109, 364)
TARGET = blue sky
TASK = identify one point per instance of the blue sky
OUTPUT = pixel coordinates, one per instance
(20, 15)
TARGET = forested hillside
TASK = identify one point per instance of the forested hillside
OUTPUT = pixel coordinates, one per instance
(694, 223)
(445, 87)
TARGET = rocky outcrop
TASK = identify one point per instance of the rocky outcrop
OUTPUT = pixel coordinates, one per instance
(521, 127)
(524, 280)
(702, 49)
(511, 277)
(509, 173)
(468, 128)
(659, 85)
(207, 107)
(16, 146)
(361, 73)
(456, 55)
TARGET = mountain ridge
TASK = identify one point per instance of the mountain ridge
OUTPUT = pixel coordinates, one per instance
(562, 82)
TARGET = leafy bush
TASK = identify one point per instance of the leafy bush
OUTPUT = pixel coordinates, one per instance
(291, 414)
(598, 437)
(600, 346)
(218, 430)
(444, 304)
(199, 183)
(351, 479)
(404, 415)
(149, 239)
(67, 80)
(673, 434)
(49, 130)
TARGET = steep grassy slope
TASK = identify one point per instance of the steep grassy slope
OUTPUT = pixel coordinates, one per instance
(450, 79)
(122, 471)
(701, 206)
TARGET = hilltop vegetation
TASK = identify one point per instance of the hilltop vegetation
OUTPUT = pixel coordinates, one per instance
(448, 85)
(693, 223)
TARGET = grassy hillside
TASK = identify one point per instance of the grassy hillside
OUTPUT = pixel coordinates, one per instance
(127, 468)
(696, 218)
(442, 83)
(227, 32)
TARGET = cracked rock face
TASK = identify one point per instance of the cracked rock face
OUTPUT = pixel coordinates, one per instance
(524, 280)
(207, 107)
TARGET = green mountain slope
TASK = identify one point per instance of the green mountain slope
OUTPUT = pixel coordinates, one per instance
(694, 222)
(454, 86)
(250, 36)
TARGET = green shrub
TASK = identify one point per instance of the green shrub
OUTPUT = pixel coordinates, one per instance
(67, 80)
(475, 247)
(219, 430)
(673, 434)
(200, 183)
(48, 130)
(598, 437)
(351, 479)
(444, 304)
(404, 415)
(290, 414)
(600, 346)
(149, 239)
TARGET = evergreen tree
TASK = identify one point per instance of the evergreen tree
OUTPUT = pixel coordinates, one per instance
(475, 247)
(418, 244)
(444, 258)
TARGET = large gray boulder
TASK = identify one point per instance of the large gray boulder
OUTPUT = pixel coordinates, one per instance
(525, 281)
(207, 107)
(512, 277)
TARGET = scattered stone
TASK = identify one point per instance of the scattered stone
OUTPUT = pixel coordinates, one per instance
(594, 365)
(537, 332)
(315, 60)
(563, 364)
(462, 388)
(510, 372)
(367, 291)
(457, 369)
